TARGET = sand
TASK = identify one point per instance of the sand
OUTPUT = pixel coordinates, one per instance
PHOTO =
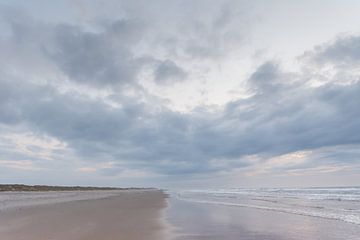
(137, 215)
(131, 215)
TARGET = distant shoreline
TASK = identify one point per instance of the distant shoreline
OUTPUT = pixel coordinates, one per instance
(44, 188)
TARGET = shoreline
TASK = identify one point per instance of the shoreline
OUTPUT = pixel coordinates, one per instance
(152, 215)
(133, 214)
(213, 222)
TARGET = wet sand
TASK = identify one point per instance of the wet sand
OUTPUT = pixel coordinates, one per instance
(131, 215)
(137, 215)
(198, 221)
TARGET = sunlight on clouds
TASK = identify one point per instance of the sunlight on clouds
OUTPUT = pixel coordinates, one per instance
(304, 163)
(318, 170)
(282, 161)
(34, 146)
(19, 165)
(86, 170)
(135, 173)
(113, 170)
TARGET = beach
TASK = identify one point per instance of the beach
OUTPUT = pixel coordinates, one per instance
(266, 214)
(200, 221)
(229, 214)
(121, 215)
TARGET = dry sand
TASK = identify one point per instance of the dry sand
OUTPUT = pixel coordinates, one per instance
(132, 215)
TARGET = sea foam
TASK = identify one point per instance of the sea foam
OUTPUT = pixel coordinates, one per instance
(331, 203)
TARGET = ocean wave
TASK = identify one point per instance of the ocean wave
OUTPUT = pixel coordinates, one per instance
(331, 194)
(354, 219)
(331, 203)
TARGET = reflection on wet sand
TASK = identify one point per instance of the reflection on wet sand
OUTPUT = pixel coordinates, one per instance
(209, 221)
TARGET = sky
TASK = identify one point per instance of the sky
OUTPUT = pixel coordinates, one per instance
(180, 94)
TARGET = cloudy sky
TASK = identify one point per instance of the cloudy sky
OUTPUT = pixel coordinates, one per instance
(205, 93)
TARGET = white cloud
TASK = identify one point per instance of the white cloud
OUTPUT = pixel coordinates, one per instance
(121, 90)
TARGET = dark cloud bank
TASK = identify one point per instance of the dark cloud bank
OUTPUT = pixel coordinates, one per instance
(284, 113)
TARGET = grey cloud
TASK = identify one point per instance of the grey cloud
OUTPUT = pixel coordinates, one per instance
(101, 59)
(263, 80)
(167, 72)
(168, 142)
(187, 31)
(9, 113)
(216, 36)
(282, 116)
(106, 54)
(344, 52)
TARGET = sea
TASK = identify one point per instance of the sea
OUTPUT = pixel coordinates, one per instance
(330, 213)
(339, 203)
